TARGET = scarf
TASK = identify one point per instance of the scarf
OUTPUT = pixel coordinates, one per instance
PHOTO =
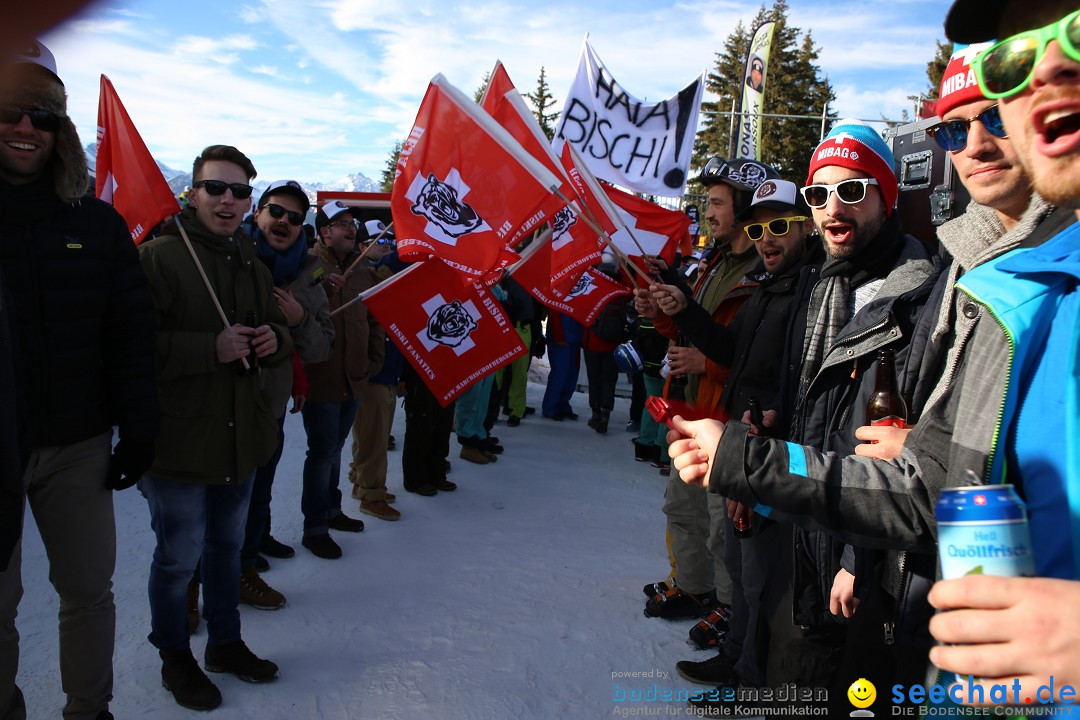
(285, 264)
(829, 312)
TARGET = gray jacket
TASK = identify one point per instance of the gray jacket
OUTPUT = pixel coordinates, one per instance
(890, 505)
(312, 338)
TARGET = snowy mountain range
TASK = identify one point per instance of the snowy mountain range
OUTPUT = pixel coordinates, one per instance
(179, 180)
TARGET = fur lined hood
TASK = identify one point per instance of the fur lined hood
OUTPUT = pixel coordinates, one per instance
(37, 88)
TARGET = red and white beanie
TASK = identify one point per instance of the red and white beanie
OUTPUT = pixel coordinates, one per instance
(958, 83)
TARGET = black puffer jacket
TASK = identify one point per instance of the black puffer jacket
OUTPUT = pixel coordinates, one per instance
(82, 314)
(12, 455)
(763, 344)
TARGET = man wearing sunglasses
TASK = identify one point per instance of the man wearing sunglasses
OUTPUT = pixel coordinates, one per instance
(81, 345)
(1025, 365)
(873, 285)
(276, 228)
(1011, 398)
(761, 345)
(336, 386)
(216, 426)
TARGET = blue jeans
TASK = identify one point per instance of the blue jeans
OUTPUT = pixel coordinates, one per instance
(328, 426)
(562, 380)
(258, 520)
(193, 521)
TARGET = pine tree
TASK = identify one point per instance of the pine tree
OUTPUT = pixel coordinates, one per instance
(541, 101)
(479, 94)
(714, 137)
(935, 69)
(390, 170)
(794, 86)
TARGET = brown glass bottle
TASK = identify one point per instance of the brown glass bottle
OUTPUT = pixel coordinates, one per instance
(886, 405)
(679, 381)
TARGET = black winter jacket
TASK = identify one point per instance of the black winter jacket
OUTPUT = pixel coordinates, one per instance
(763, 343)
(82, 314)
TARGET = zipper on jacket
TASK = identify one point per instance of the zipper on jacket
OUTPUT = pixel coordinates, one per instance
(890, 625)
(1005, 391)
(862, 333)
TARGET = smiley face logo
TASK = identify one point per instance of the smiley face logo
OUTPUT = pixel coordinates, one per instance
(862, 693)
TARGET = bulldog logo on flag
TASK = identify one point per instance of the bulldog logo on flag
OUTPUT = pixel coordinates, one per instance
(582, 287)
(560, 226)
(449, 324)
(462, 176)
(442, 203)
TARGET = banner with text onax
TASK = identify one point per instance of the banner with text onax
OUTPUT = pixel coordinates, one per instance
(642, 146)
(748, 131)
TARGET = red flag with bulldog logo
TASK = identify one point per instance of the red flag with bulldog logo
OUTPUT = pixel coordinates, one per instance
(126, 175)
(454, 334)
(585, 298)
(464, 187)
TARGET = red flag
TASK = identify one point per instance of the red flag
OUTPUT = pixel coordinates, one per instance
(503, 102)
(126, 175)
(464, 186)
(575, 246)
(453, 334)
(656, 229)
(596, 205)
(589, 294)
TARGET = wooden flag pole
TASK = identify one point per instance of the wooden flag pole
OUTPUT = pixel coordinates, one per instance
(586, 215)
(206, 281)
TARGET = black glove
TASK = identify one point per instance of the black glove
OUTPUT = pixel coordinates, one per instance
(539, 345)
(130, 459)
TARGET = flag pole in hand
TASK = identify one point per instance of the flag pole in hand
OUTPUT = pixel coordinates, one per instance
(206, 281)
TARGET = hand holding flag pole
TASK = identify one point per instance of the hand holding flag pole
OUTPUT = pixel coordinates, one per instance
(206, 281)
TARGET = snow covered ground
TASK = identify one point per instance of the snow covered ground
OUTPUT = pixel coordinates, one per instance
(517, 596)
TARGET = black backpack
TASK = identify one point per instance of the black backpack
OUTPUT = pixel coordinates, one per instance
(614, 322)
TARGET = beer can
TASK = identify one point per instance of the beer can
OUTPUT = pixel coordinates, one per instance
(983, 530)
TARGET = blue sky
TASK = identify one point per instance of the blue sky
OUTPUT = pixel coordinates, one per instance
(321, 89)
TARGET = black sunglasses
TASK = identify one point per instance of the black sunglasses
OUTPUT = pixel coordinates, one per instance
(952, 135)
(240, 191)
(40, 119)
(277, 212)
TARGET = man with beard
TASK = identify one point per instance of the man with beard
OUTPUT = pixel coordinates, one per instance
(275, 227)
(761, 346)
(1014, 393)
(873, 286)
(695, 539)
(336, 386)
(77, 332)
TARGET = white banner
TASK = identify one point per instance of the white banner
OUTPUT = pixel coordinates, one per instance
(642, 146)
(748, 132)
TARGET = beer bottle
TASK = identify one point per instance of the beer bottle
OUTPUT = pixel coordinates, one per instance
(886, 406)
(744, 521)
(757, 418)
